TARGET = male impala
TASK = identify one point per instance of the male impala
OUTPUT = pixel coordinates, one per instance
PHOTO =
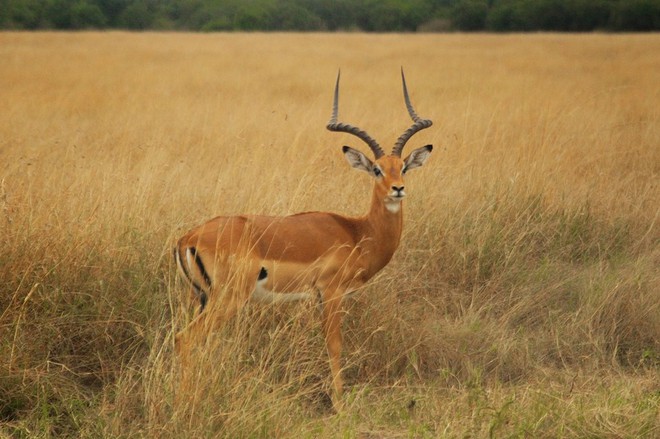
(232, 259)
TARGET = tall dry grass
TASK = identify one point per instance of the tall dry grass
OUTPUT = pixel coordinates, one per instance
(524, 299)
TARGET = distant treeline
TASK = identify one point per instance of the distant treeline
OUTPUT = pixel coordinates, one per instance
(332, 15)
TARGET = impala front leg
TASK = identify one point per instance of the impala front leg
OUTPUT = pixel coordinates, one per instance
(332, 317)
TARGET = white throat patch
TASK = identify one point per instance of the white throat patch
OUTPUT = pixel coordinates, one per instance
(393, 206)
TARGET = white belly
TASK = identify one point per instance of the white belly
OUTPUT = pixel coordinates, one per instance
(261, 294)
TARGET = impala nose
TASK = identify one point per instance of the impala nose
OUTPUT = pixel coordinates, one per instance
(398, 191)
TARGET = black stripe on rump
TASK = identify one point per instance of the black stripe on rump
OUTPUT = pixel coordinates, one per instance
(198, 289)
(200, 266)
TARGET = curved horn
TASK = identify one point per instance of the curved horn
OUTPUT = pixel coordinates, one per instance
(419, 124)
(333, 125)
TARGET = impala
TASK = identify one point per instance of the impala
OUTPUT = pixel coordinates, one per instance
(232, 259)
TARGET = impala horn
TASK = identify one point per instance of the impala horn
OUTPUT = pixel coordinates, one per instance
(419, 124)
(333, 125)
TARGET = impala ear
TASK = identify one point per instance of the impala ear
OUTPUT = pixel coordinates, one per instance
(358, 160)
(417, 158)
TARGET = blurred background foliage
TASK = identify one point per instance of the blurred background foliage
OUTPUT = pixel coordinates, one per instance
(334, 15)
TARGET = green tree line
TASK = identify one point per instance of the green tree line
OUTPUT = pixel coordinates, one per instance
(332, 15)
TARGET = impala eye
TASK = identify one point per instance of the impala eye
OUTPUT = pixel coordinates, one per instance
(378, 172)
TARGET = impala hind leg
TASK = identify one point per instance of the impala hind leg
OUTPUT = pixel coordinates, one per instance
(191, 342)
(234, 279)
(215, 315)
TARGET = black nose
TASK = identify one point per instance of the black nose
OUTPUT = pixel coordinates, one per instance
(398, 189)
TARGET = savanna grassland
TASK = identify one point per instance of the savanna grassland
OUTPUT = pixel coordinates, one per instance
(524, 300)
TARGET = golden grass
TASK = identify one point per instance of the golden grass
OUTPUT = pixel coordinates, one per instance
(524, 300)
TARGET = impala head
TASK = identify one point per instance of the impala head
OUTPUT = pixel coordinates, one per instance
(387, 170)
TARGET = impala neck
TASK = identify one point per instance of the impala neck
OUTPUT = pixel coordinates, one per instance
(384, 228)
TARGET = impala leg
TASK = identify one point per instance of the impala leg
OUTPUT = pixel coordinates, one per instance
(211, 319)
(220, 305)
(189, 341)
(332, 317)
